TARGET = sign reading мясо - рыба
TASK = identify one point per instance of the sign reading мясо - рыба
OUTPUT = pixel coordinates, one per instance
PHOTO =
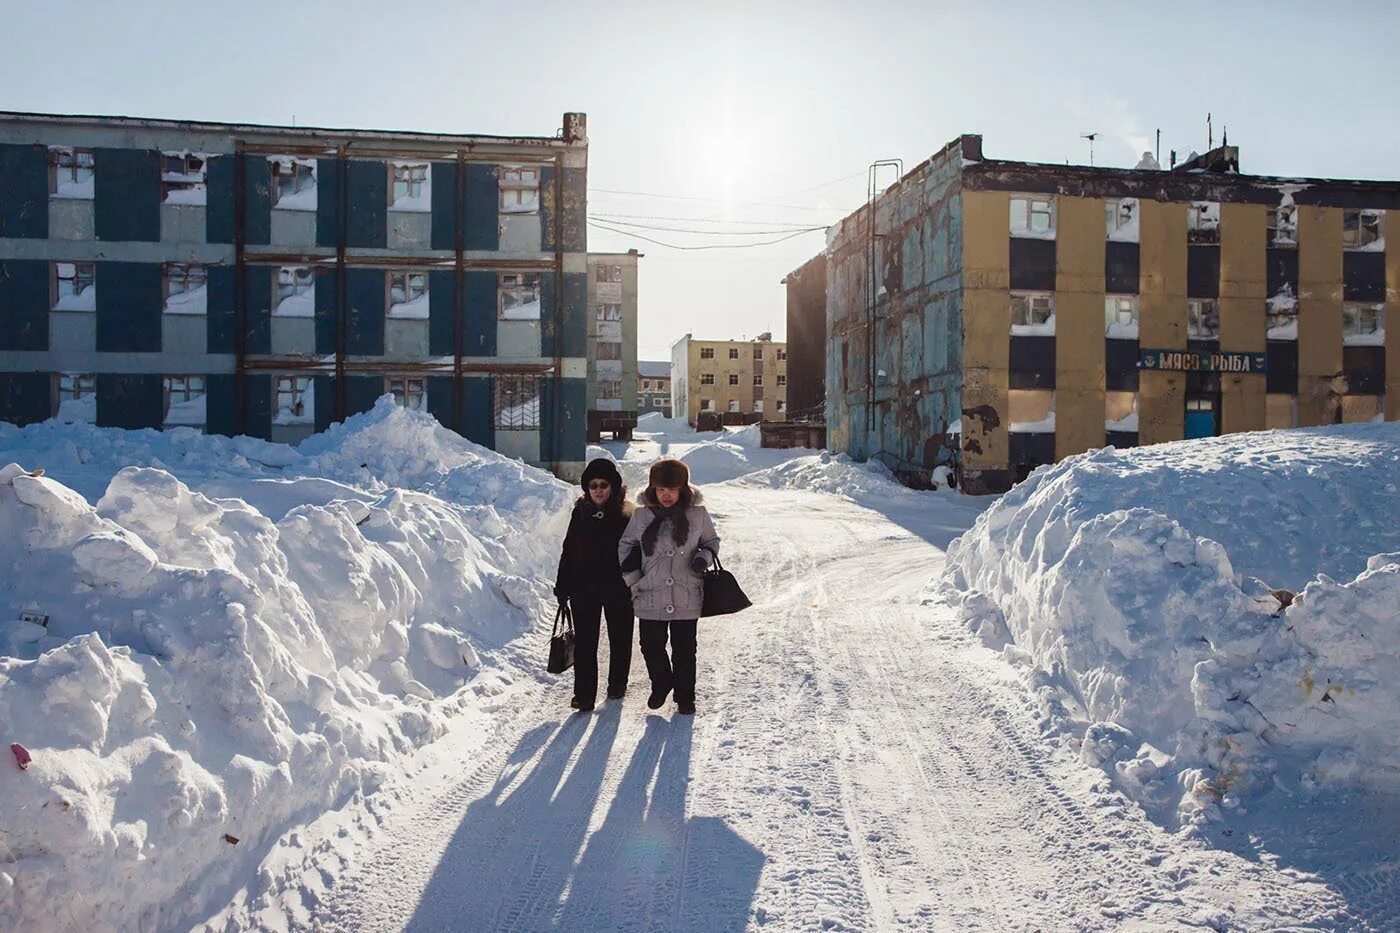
(1212, 361)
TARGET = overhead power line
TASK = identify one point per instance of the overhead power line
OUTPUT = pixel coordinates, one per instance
(788, 228)
(616, 218)
(638, 236)
(687, 197)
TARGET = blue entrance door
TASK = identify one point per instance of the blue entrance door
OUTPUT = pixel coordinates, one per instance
(1200, 424)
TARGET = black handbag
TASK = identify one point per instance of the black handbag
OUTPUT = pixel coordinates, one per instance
(723, 596)
(561, 641)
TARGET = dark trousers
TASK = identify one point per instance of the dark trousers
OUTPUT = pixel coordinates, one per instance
(678, 671)
(588, 612)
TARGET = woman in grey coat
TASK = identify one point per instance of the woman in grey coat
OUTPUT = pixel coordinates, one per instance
(667, 547)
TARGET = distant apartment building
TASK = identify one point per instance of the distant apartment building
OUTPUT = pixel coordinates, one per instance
(269, 280)
(996, 315)
(654, 387)
(744, 381)
(612, 344)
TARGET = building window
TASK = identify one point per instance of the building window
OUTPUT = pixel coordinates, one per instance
(77, 385)
(296, 292)
(1361, 229)
(1363, 324)
(70, 173)
(1121, 217)
(1121, 316)
(408, 391)
(184, 401)
(1282, 223)
(609, 312)
(1203, 319)
(74, 286)
(757, 352)
(408, 295)
(517, 403)
(1032, 312)
(707, 379)
(758, 379)
(733, 353)
(293, 183)
(733, 379)
(410, 188)
(1203, 222)
(782, 405)
(185, 291)
(610, 388)
(293, 400)
(608, 273)
(782, 380)
(1032, 215)
(182, 178)
(609, 350)
(646, 385)
(707, 353)
(657, 403)
(734, 405)
(1281, 315)
(520, 190)
(782, 355)
(519, 296)
(758, 406)
(707, 404)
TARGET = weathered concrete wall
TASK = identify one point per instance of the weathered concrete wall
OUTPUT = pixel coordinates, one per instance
(915, 337)
(986, 341)
(1079, 325)
(1243, 324)
(1392, 318)
(1162, 319)
(806, 337)
(1319, 314)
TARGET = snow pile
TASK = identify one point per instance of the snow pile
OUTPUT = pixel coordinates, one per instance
(1136, 587)
(237, 643)
(839, 475)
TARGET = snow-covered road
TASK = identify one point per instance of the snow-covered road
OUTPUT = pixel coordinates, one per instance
(858, 762)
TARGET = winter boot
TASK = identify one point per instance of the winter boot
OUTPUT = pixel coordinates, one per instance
(685, 707)
(658, 697)
(616, 693)
(579, 705)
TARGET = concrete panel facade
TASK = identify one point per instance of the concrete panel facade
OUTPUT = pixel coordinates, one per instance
(409, 231)
(1163, 318)
(520, 233)
(184, 334)
(1079, 325)
(522, 445)
(182, 223)
(1243, 324)
(73, 331)
(294, 228)
(1392, 320)
(518, 339)
(986, 343)
(292, 336)
(405, 339)
(1319, 315)
(70, 219)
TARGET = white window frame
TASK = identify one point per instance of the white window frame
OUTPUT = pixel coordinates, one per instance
(733, 353)
(515, 290)
(1362, 320)
(782, 355)
(782, 380)
(707, 379)
(84, 277)
(1199, 314)
(1026, 208)
(707, 353)
(1357, 233)
(1121, 310)
(519, 189)
(733, 379)
(758, 379)
(1031, 304)
(406, 286)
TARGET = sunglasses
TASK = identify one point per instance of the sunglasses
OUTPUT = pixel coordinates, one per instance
(600, 484)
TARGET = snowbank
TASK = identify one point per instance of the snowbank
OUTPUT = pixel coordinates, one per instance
(1136, 588)
(238, 638)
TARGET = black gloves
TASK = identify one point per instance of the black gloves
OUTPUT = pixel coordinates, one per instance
(633, 561)
(701, 561)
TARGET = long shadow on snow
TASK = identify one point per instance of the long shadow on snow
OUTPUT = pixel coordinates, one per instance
(524, 835)
(640, 862)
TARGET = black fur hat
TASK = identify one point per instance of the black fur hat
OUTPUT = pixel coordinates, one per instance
(601, 468)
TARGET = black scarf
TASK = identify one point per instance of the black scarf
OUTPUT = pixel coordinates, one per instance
(680, 526)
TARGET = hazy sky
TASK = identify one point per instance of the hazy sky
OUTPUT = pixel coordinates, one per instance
(744, 112)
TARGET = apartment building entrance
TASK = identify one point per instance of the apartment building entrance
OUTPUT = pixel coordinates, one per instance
(1203, 415)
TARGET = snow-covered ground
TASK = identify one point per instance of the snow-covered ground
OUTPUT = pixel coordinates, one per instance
(861, 759)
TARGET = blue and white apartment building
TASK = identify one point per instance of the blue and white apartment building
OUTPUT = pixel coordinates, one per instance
(269, 281)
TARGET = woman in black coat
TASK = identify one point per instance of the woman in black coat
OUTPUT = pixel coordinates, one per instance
(590, 579)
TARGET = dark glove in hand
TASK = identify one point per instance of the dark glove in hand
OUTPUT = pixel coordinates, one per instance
(700, 562)
(633, 561)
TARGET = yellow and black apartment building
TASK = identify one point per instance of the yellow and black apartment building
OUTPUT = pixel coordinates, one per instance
(994, 315)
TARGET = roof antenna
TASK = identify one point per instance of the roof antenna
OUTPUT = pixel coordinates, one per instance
(1210, 134)
(1158, 154)
(1091, 137)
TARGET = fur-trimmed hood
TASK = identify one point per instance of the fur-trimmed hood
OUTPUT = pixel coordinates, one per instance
(648, 498)
(584, 504)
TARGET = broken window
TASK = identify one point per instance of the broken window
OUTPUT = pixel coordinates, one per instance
(1032, 309)
(520, 190)
(517, 403)
(1363, 230)
(70, 172)
(1363, 323)
(295, 292)
(408, 391)
(609, 312)
(1282, 224)
(707, 353)
(519, 296)
(185, 291)
(758, 406)
(293, 399)
(74, 287)
(77, 385)
(609, 350)
(758, 379)
(610, 388)
(410, 186)
(1033, 215)
(1203, 222)
(707, 404)
(1202, 319)
(1121, 217)
(182, 178)
(782, 355)
(1121, 316)
(608, 273)
(184, 401)
(734, 405)
(1281, 315)
(782, 405)
(408, 295)
(293, 183)
(782, 380)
